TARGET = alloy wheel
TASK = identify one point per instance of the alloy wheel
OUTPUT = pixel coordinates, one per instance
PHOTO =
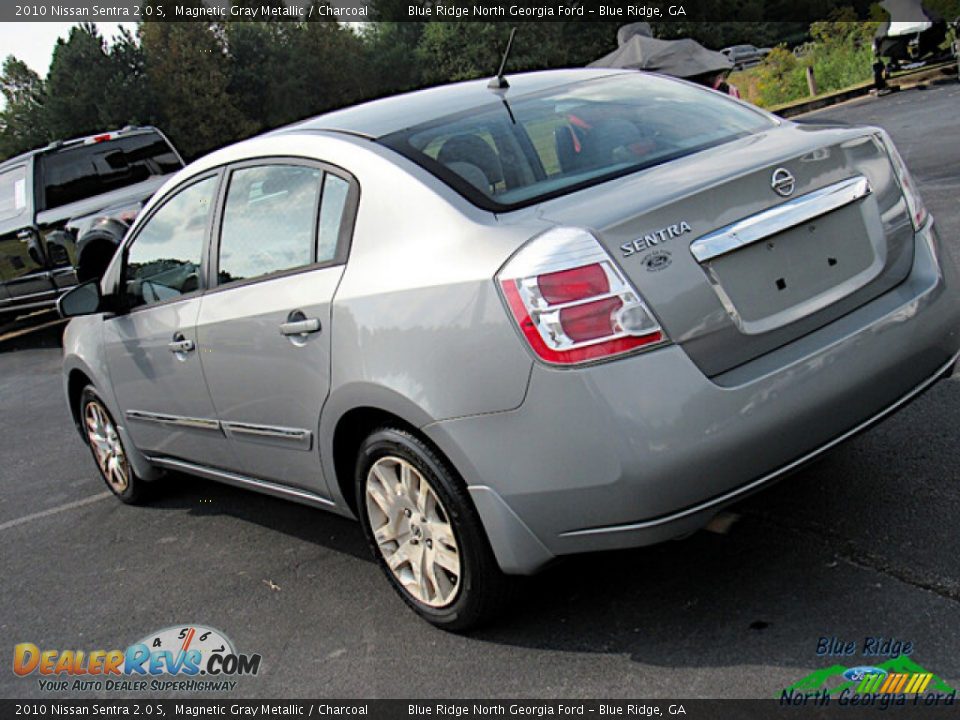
(106, 445)
(413, 531)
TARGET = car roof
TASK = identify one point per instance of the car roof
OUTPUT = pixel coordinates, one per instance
(377, 118)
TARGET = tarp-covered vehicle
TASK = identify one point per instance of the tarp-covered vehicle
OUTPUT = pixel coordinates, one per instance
(913, 34)
(684, 58)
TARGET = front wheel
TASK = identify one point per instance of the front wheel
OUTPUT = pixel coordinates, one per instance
(108, 450)
(425, 533)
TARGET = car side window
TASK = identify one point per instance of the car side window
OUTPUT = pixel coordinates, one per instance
(269, 221)
(13, 192)
(332, 205)
(164, 260)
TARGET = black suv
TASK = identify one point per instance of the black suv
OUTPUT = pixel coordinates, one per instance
(64, 209)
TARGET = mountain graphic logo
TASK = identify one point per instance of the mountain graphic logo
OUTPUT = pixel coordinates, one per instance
(897, 675)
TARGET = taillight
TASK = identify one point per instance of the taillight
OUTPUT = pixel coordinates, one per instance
(572, 303)
(127, 213)
(918, 213)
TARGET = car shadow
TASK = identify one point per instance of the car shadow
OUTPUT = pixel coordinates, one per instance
(40, 330)
(839, 548)
(761, 589)
(201, 497)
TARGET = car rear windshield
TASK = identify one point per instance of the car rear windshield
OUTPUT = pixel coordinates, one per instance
(514, 153)
(82, 171)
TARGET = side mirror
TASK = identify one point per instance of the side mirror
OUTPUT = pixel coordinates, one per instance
(84, 299)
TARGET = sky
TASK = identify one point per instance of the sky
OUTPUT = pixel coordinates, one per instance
(34, 42)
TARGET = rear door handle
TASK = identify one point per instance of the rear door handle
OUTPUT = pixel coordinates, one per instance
(300, 327)
(181, 344)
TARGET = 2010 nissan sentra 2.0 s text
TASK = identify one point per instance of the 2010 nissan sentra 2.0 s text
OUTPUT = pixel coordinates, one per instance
(500, 326)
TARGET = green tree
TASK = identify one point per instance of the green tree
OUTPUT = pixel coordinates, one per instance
(187, 69)
(323, 68)
(947, 9)
(128, 96)
(462, 50)
(257, 52)
(391, 55)
(80, 73)
(22, 121)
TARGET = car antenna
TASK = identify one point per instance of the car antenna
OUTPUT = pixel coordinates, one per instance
(500, 82)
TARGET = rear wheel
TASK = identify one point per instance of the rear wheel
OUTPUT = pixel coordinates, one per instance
(425, 533)
(107, 448)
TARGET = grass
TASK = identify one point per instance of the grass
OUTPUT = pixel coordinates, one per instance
(781, 78)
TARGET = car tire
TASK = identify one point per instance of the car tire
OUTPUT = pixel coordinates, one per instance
(425, 533)
(106, 446)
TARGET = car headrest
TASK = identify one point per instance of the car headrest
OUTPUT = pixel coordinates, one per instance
(472, 150)
(472, 174)
(607, 136)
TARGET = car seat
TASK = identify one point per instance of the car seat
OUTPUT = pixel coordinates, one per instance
(466, 149)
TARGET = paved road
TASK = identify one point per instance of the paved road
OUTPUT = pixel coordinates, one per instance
(863, 543)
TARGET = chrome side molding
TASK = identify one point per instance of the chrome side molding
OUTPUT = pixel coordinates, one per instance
(177, 420)
(294, 438)
(779, 218)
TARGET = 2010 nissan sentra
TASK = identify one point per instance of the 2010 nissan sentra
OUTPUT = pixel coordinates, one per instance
(500, 326)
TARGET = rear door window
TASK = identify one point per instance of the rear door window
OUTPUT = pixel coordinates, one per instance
(332, 209)
(269, 221)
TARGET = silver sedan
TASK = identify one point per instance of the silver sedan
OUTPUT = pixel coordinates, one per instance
(504, 325)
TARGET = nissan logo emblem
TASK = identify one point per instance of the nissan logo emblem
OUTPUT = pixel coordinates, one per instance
(783, 183)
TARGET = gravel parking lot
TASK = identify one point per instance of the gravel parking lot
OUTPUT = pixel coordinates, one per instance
(863, 543)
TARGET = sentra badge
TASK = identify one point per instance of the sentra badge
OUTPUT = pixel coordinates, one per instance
(657, 237)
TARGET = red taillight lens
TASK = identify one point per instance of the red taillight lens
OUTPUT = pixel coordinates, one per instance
(590, 321)
(574, 284)
(571, 301)
(102, 138)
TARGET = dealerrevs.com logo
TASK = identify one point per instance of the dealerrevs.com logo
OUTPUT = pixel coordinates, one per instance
(180, 658)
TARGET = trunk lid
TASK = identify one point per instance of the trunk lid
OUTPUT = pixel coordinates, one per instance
(734, 269)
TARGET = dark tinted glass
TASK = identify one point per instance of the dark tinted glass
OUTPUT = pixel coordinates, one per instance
(164, 260)
(83, 171)
(548, 144)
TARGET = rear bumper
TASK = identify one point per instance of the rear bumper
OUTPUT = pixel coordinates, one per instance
(647, 448)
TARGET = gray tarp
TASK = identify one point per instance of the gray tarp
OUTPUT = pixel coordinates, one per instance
(679, 58)
(629, 30)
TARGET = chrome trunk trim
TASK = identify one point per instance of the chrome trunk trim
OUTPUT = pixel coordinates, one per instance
(780, 218)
